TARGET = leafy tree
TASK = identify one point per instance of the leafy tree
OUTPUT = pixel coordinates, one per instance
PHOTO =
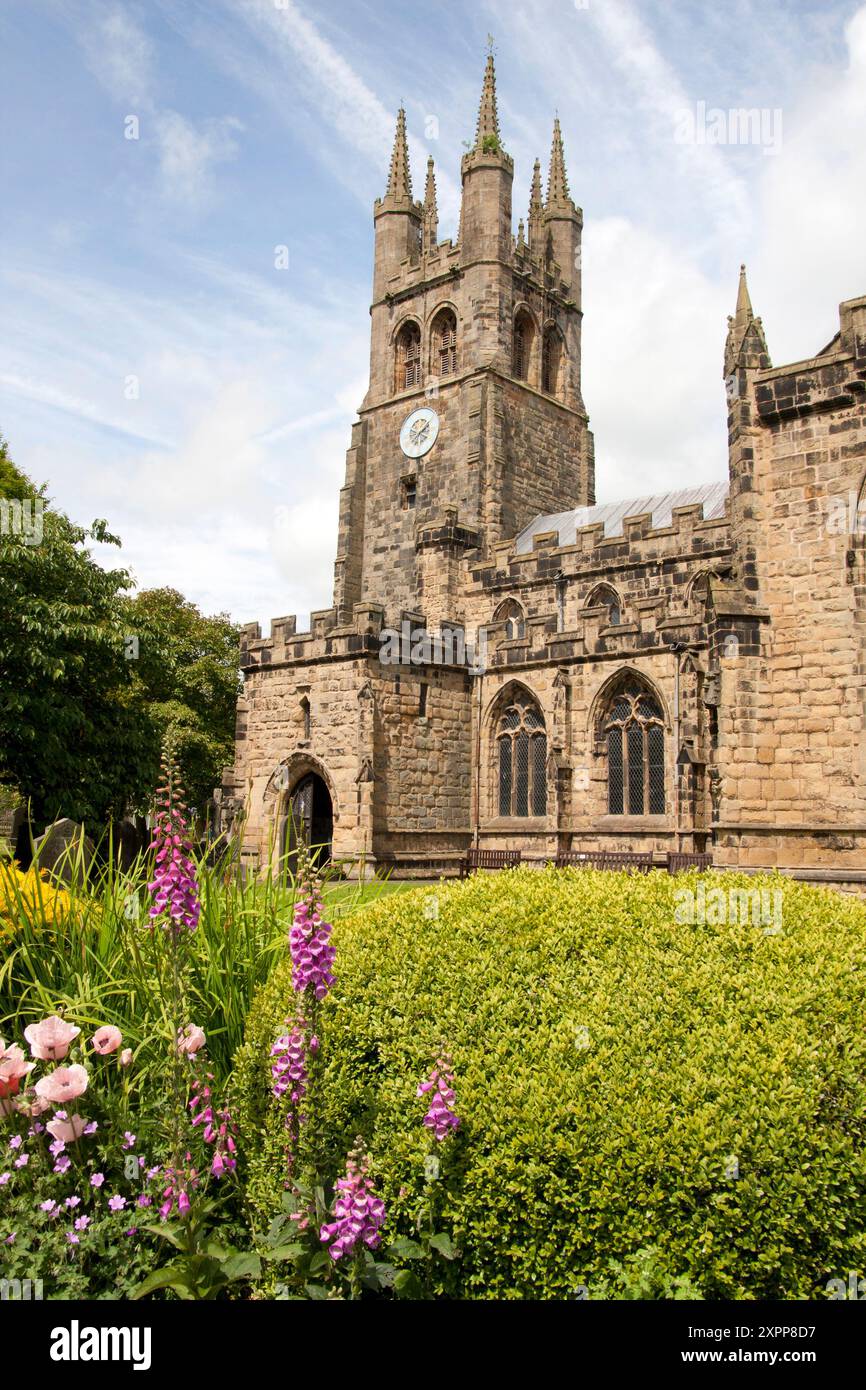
(13, 483)
(92, 678)
(187, 676)
(72, 736)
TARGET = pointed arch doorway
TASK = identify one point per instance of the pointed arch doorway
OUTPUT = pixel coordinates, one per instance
(309, 818)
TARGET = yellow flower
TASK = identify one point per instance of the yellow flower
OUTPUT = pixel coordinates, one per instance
(29, 896)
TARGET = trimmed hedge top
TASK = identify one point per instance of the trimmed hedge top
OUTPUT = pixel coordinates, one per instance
(626, 1080)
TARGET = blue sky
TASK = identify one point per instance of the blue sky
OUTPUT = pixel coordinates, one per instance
(158, 369)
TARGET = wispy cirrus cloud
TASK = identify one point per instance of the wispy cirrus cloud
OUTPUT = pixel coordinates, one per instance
(123, 57)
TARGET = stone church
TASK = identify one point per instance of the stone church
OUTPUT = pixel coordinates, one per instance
(509, 664)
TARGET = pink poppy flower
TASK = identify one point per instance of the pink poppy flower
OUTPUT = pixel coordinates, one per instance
(125, 1057)
(51, 1039)
(63, 1084)
(67, 1130)
(190, 1039)
(13, 1068)
(106, 1039)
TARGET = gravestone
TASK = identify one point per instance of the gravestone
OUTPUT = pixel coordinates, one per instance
(11, 821)
(127, 843)
(65, 851)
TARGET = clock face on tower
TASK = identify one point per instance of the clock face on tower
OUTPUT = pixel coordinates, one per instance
(418, 432)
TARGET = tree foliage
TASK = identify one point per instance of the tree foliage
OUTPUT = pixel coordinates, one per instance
(72, 739)
(91, 678)
(187, 675)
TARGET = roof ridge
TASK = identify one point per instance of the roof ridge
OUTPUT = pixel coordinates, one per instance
(612, 514)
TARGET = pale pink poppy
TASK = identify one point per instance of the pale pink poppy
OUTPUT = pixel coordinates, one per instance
(106, 1039)
(126, 1057)
(66, 1083)
(190, 1039)
(13, 1068)
(50, 1040)
(67, 1130)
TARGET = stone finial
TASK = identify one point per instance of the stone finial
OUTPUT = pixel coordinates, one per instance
(431, 214)
(400, 176)
(558, 195)
(744, 312)
(746, 345)
(487, 130)
(536, 209)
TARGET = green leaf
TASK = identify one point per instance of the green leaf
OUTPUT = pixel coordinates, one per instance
(444, 1246)
(174, 1276)
(407, 1285)
(405, 1249)
(284, 1252)
(242, 1265)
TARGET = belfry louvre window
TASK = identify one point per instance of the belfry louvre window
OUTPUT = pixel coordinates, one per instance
(521, 759)
(634, 731)
(522, 346)
(551, 360)
(445, 340)
(408, 371)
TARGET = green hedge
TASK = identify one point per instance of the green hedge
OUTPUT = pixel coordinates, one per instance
(610, 1063)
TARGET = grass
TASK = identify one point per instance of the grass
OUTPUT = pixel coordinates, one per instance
(91, 953)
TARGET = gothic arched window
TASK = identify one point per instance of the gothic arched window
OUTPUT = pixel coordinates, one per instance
(511, 614)
(551, 361)
(524, 333)
(521, 758)
(605, 596)
(408, 364)
(445, 343)
(699, 593)
(633, 729)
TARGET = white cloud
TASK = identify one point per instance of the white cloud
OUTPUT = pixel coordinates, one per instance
(124, 59)
(188, 154)
(813, 209)
(120, 54)
(340, 95)
(48, 394)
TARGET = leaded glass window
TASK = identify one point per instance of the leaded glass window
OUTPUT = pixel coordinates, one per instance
(522, 759)
(634, 732)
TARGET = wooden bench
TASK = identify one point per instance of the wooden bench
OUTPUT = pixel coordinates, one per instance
(681, 863)
(605, 859)
(622, 859)
(488, 859)
(580, 859)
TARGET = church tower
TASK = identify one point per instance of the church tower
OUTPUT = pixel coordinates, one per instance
(473, 422)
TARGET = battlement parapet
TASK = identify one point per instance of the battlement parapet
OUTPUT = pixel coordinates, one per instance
(689, 535)
(833, 380)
